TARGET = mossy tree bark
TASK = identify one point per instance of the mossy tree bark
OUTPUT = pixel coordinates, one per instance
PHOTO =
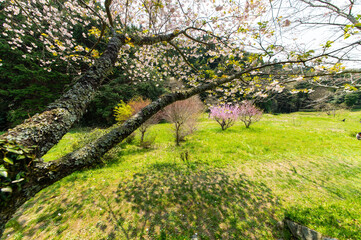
(44, 130)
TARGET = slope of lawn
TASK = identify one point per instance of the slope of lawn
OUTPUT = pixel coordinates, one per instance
(233, 184)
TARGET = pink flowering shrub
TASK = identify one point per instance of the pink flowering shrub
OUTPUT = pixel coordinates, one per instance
(225, 115)
(249, 113)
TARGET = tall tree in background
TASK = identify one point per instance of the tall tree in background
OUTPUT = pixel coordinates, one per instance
(146, 31)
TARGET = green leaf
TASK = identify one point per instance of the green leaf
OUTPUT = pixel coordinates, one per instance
(19, 157)
(15, 150)
(19, 175)
(7, 189)
(3, 171)
(19, 180)
(25, 150)
(8, 160)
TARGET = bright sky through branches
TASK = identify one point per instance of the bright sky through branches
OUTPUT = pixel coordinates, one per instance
(309, 25)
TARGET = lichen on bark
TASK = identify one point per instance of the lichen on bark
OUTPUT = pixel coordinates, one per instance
(47, 128)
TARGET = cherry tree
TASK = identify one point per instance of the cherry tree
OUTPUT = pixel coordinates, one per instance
(206, 33)
(225, 115)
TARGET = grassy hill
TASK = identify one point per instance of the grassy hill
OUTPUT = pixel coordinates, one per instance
(233, 184)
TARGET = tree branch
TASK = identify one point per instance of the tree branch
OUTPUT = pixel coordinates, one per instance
(107, 4)
(150, 40)
(193, 39)
(99, 39)
(184, 57)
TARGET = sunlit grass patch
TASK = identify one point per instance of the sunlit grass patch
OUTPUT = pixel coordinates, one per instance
(232, 184)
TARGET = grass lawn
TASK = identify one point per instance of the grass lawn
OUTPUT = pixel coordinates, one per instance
(233, 184)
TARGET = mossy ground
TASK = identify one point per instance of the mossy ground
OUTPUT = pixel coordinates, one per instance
(235, 184)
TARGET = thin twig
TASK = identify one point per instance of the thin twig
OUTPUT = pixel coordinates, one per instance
(193, 39)
(27, 14)
(101, 19)
(99, 39)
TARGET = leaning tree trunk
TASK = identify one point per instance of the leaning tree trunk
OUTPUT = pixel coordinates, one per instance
(44, 130)
(44, 174)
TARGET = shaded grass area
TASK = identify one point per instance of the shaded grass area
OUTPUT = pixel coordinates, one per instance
(161, 201)
(235, 184)
(209, 203)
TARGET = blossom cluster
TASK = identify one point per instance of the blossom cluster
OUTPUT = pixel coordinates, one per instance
(226, 115)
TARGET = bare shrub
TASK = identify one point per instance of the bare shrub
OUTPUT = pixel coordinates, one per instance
(249, 113)
(124, 111)
(183, 115)
(148, 142)
(137, 104)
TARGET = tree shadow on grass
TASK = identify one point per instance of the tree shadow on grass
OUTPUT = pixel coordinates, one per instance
(176, 203)
(47, 215)
(17, 224)
(165, 201)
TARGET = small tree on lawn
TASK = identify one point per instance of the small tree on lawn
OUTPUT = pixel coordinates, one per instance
(249, 113)
(226, 115)
(183, 115)
(124, 111)
(137, 104)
